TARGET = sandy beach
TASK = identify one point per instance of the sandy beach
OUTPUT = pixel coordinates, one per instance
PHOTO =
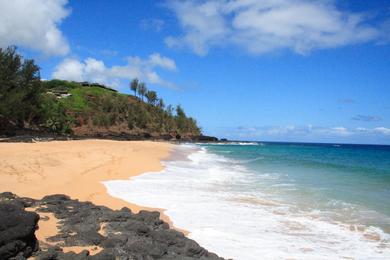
(77, 168)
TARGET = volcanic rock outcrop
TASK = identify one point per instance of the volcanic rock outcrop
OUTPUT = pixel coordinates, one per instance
(116, 234)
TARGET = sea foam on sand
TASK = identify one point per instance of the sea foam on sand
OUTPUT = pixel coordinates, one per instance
(215, 200)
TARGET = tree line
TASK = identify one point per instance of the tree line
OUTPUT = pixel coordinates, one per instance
(140, 90)
(171, 118)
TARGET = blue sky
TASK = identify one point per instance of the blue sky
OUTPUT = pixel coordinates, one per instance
(275, 70)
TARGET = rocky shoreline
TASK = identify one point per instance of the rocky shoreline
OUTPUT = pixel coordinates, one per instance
(33, 136)
(118, 234)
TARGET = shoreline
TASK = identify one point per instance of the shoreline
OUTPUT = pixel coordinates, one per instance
(79, 168)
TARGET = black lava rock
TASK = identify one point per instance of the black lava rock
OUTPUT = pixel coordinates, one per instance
(17, 228)
(119, 234)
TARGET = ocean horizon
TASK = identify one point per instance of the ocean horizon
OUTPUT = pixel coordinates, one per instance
(245, 142)
(274, 200)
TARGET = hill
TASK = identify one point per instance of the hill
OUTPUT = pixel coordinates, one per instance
(93, 109)
(83, 109)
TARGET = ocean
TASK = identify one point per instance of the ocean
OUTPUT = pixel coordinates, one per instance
(274, 200)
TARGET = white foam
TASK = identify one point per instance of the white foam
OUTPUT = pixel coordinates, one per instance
(251, 160)
(214, 199)
(232, 143)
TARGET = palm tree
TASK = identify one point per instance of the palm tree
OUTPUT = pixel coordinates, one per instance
(142, 90)
(134, 86)
(152, 97)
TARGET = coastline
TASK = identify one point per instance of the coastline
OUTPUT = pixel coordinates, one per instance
(79, 168)
(245, 183)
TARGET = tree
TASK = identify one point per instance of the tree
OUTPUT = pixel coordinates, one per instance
(142, 90)
(26, 102)
(170, 110)
(151, 97)
(20, 88)
(180, 118)
(180, 112)
(161, 103)
(134, 86)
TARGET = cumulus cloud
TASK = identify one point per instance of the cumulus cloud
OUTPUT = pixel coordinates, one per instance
(70, 69)
(34, 24)
(156, 60)
(95, 70)
(265, 26)
(367, 118)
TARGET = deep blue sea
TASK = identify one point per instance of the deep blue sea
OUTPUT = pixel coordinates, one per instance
(274, 200)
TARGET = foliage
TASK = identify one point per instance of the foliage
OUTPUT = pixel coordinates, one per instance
(105, 108)
(61, 106)
(54, 117)
(59, 84)
(20, 88)
(151, 97)
(134, 86)
(142, 90)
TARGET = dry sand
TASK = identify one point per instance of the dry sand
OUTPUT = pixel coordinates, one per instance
(77, 168)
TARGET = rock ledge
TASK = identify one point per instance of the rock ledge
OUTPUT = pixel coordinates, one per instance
(120, 234)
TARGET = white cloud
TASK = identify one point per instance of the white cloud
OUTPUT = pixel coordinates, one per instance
(338, 130)
(277, 131)
(383, 130)
(203, 24)
(268, 25)
(377, 130)
(96, 71)
(310, 131)
(34, 24)
(70, 69)
(157, 60)
(362, 129)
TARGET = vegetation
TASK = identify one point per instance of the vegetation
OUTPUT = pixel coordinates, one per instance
(19, 89)
(70, 107)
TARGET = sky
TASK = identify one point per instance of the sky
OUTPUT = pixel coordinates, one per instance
(267, 70)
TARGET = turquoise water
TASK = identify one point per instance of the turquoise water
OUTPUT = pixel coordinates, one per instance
(353, 181)
(274, 200)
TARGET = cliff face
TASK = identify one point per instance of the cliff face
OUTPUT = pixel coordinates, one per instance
(105, 233)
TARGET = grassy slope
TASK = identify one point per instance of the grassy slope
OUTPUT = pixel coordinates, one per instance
(91, 110)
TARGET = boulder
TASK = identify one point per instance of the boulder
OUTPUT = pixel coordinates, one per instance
(17, 230)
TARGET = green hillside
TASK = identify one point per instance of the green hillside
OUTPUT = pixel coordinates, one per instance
(82, 109)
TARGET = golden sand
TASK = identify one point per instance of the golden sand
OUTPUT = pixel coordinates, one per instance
(77, 168)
